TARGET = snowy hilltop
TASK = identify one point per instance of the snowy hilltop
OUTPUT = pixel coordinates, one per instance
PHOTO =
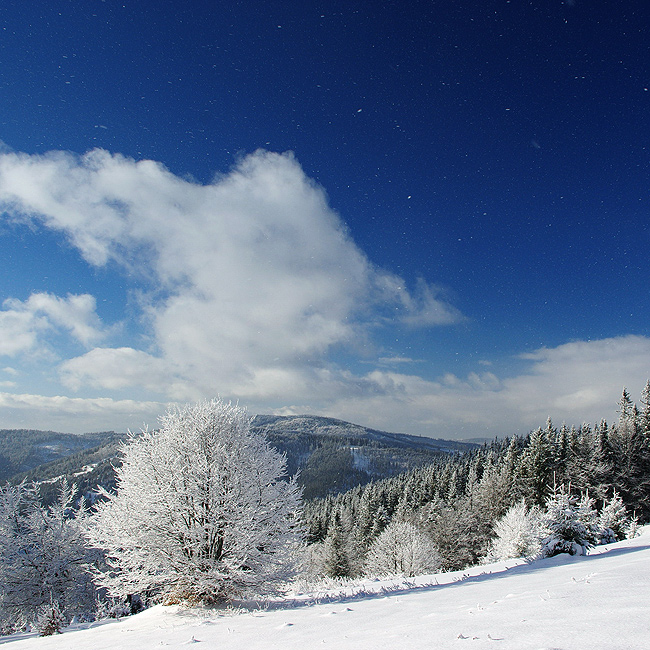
(593, 602)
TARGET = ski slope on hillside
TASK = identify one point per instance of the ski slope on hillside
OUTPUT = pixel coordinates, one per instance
(599, 602)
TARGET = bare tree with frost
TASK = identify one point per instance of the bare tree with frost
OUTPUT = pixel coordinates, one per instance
(44, 561)
(402, 549)
(201, 512)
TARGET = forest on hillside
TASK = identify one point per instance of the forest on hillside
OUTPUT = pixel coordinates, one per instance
(456, 502)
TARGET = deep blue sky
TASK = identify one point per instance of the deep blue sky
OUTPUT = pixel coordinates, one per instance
(497, 151)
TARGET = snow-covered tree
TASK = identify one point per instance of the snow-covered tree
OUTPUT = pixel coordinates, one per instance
(587, 514)
(519, 533)
(201, 513)
(613, 519)
(402, 549)
(537, 463)
(44, 561)
(572, 522)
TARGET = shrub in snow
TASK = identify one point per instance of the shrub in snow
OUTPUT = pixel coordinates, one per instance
(402, 549)
(50, 620)
(613, 519)
(44, 561)
(519, 533)
(573, 524)
(311, 561)
(633, 529)
(112, 608)
(201, 513)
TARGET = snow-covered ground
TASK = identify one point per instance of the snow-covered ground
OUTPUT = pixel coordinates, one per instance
(599, 602)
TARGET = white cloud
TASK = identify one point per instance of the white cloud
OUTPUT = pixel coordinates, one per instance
(23, 323)
(259, 276)
(18, 331)
(114, 369)
(575, 382)
(425, 306)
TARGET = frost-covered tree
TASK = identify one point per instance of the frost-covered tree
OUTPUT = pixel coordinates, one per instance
(402, 549)
(44, 561)
(572, 522)
(201, 512)
(519, 533)
(587, 514)
(613, 519)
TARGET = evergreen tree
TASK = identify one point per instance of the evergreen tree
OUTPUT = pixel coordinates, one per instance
(631, 455)
(537, 466)
(613, 519)
(601, 463)
(571, 522)
(339, 559)
(645, 409)
(625, 406)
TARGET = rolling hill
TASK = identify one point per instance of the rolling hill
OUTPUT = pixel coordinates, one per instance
(330, 455)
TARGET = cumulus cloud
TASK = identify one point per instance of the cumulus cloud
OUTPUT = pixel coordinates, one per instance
(114, 369)
(255, 277)
(23, 323)
(576, 382)
(18, 331)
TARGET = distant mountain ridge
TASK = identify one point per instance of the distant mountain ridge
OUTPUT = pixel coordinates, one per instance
(21, 450)
(321, 425)
(333, 456)
(330, 455)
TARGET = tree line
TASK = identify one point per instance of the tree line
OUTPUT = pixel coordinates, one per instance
(457, 502)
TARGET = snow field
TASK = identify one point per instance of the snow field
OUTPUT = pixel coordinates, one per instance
(598, 602)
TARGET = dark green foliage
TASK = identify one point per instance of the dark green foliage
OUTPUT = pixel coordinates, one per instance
(330, 468)
(333, 456)
(338, 561)
(537, 464)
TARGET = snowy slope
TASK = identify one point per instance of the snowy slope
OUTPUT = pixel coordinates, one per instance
(599, 602)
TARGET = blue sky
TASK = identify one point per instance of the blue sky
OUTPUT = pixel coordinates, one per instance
(426, 217)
